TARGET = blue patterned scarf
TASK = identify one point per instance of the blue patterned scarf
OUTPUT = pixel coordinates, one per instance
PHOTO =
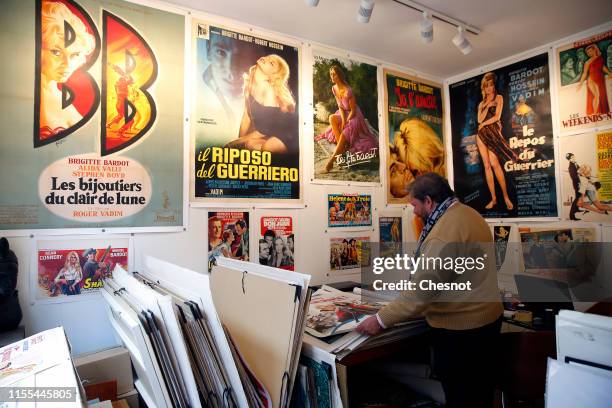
(432, 219)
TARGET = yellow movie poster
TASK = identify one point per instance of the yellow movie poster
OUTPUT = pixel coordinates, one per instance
(415, 131)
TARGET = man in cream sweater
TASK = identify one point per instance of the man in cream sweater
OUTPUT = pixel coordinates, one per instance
(465, 324)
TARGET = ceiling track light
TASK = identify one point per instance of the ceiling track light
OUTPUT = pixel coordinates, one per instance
(365, 11)
(312, 3)
(462, 42)
(433, 14)
(426, 28)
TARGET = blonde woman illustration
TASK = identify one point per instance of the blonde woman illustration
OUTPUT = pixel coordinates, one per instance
(69, 277)
(269, 119)
(416, 150)
(61, 54)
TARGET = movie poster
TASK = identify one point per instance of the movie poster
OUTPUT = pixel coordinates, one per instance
(503, 152)
(67, 269)
(586, 180)
(345, 139)
(228, 235)
(550, 252)
(349, 210)
(415, 129)
(277, 243)
(349, 253)
(93, 116)
(245, 125)
(584, 84)
(390, 229)
(501, 236)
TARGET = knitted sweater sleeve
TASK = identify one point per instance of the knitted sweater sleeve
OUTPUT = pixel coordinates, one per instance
(413, 303)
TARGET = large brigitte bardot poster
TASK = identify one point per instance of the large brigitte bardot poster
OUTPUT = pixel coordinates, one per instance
(245, 143)
(345, 94)
(92, 115)
(503, 152)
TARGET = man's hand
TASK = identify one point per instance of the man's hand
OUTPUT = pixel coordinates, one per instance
(370, 326)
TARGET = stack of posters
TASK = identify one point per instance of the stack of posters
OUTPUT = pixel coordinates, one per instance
(158, 319)
(166, 318)
(269, 341)
(312, 384)
(333, 316)
(316, 383)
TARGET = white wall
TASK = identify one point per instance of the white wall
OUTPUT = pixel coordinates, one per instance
(86, 322)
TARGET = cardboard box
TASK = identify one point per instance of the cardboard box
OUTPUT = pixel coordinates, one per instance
(41, 360)
(107, 365)
(131, 398)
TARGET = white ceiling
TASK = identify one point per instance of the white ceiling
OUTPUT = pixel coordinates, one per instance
(508, 27)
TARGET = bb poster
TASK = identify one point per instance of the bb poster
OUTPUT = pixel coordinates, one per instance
(228, 235)
(345, 100)
(277, 243)
(68, 269)
(92, 117)
(245, 125)
(349, 253)
(349, 210)
(586, 176)
(415, 129)
(584, 84)
(503, 152)
(390, 229)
